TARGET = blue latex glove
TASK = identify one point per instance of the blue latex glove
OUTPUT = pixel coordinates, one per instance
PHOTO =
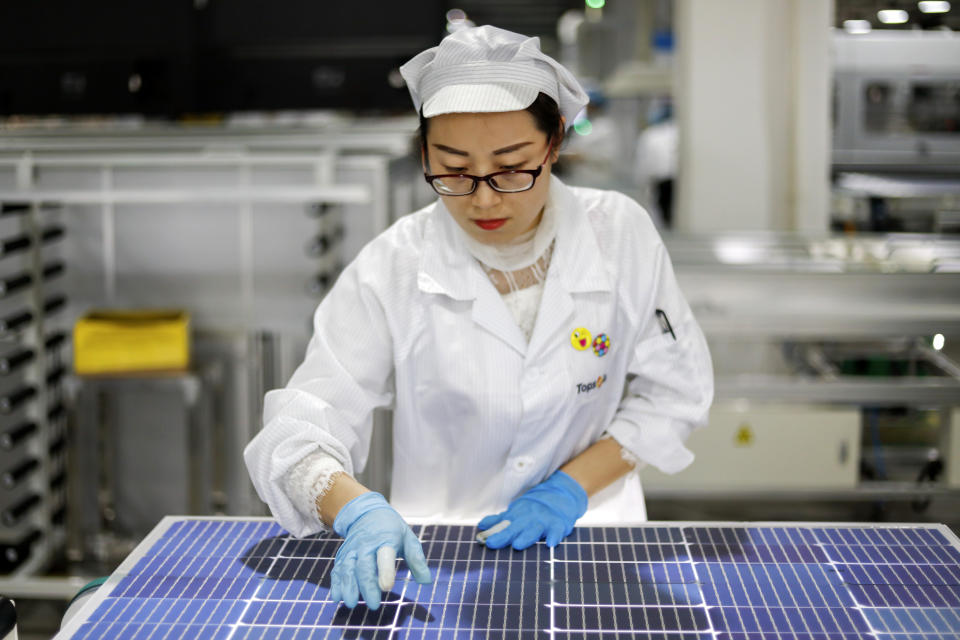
(374, 536)
(549, 509)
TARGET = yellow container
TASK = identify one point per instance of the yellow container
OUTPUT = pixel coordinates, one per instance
(111, 342)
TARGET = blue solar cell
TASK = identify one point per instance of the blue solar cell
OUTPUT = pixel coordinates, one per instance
(884, 595)
(303, 569)
(716, 535)
(881, 536)
(634, 635)
(782, 536)
(153, 632)
(911, 620)
(281, 614)
(473, 634)
(597, 552)
(634, 535)
(170, 611)
(573, 618)
(506, 618)
(311, 548)
(292, 590)
(628, 594)
(795, 635)
(784, 619)
(623, 572)
(258, 632)
(892, 554)
(946, 575)
(518, 570)
(247, 580)
(439, 551)
(735, 552)
(465, 590)
(496, 616)
(916, 636)
(771, 585)
(185, 587)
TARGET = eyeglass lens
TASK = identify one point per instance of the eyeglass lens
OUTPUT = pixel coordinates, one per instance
(505, 182)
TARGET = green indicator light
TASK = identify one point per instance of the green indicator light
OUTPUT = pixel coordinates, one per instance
(583, 127)
(596, 4)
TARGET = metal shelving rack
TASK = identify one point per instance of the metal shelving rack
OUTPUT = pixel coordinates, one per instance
(326, 247)
(33, 433)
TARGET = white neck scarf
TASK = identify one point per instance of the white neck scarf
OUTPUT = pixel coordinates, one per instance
(521, 263)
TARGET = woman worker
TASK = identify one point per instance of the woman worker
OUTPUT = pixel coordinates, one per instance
(529, 336)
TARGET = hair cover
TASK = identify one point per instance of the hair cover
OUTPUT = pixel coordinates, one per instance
(486, 69)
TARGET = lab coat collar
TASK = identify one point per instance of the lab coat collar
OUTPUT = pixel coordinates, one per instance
(577, 260)
(447, 267)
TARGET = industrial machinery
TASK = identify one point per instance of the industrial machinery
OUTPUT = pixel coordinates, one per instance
(896, 141)
(897, 100)
(835, 363)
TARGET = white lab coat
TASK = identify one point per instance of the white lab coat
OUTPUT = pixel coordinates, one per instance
(480, 415)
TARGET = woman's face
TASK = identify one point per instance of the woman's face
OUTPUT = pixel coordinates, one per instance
(482, 143)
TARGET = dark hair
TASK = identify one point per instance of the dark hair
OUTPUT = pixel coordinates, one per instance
(545, 112)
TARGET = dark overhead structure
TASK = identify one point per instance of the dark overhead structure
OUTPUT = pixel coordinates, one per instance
(172, 57)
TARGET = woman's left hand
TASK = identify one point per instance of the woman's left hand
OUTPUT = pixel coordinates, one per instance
(549, 509)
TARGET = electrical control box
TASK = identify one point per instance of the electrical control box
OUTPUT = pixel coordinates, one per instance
(951, 450)
(758, 447)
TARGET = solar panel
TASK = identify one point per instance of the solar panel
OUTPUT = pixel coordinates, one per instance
(229, 579)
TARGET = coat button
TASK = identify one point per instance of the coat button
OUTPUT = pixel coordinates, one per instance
(520, 464)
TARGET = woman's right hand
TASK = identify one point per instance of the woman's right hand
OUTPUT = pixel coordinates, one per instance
(374, 536)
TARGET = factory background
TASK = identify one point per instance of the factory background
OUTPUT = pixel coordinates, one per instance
(222, 161)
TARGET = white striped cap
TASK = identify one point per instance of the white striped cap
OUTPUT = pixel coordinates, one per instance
(484, 69)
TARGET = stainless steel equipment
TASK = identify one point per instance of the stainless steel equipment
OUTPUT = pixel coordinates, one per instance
(896, 100)
(896, 133)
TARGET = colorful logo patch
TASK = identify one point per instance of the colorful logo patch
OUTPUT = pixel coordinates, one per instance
(601, 344)
(580, 339)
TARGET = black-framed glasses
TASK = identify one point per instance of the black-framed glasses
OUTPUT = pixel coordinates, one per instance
(462, 184)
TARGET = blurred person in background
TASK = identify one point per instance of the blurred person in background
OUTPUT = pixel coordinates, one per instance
(657, 161)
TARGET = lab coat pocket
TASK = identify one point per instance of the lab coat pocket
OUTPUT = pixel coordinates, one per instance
(653, 347)
(674, 372)
(589, 376)
(658, 358)
(594, 371)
